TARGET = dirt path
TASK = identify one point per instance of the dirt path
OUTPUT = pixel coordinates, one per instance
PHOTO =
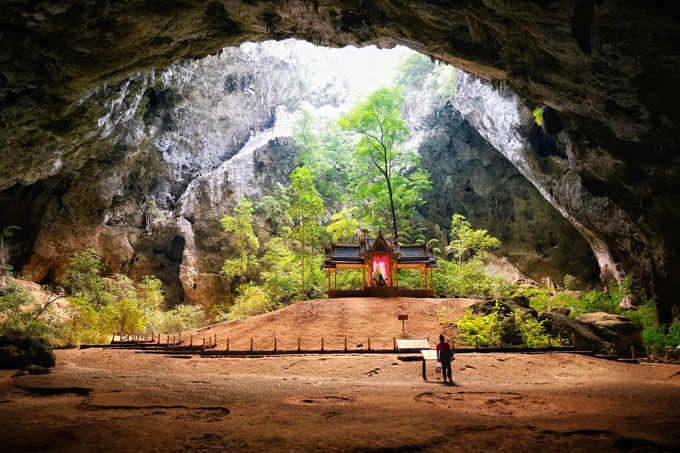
(117, 400)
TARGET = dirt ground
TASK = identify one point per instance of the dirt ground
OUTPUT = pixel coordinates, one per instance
(120, 400)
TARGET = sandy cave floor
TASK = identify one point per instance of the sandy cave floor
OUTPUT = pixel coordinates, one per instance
(120, 400)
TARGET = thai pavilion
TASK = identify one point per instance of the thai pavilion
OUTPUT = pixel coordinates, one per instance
(379, 259)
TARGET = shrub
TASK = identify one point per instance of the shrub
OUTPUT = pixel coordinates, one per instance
(467, 279)
(252, 300)
(182, 318)
(496, 328)
(569, 282)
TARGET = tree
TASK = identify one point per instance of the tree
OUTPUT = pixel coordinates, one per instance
(241, 226)
(467, 242)
(83, 278)
(274, 207)
(343, 225)
(149, 292)
(381, 129)
(306, 209)
(280, 264)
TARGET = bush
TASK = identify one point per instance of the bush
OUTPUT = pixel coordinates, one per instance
(180, 319)
(654, 336)
(252, 300)
(496, 328)
(467, 279)
(569, 282)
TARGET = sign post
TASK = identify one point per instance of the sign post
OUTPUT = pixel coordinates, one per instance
(403, 319)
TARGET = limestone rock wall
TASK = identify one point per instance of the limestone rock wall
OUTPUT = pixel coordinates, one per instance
(472, 178)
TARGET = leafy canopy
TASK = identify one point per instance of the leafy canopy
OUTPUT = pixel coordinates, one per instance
(380, 130)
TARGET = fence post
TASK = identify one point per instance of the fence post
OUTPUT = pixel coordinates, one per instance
(204, 344)
(299, 343)
(573, 340)
(345, 344)
(159, 339)
(251, 343)
(227, 343)
(167, 341)
(394, 343)
(113, 337)
(215, 340)
(476, 341)
(524, 339)
(322, 343)
(191, 340)
(369, 343)
(274, 343)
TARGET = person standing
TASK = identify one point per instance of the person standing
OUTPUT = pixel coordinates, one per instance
(444, 356)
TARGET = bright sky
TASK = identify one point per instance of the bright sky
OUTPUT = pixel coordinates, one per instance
(366, 68)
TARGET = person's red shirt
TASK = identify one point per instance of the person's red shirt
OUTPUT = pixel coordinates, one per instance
(442, 346)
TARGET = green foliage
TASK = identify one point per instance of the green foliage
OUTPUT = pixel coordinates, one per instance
(467, 243)
(83, 324)
(123, 316)
(380, 130)
(281, 271)
(274, 207)
(467, 279)
(496, 327)
(654, 336)
(538, 115)
(150, 292)
(344, 225)
(569, 282)
(251, 301)
(607, 301)
(241, 226)
(426, 83)
(180, 319)
(533, 332)
(21, 314)
(483, 330)
(83, 278)
(306, 209)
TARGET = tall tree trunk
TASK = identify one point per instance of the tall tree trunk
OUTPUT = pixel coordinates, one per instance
(394, 214)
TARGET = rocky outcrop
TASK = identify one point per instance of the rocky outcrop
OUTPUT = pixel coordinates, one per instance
(19, 352)
(471, 178)
(624, 241)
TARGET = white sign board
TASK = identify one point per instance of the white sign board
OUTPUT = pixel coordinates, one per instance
(412, 344)
(429, 354)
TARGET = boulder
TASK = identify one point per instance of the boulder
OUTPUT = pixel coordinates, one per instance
(561, 310)
(20, 352)
(505, 305)
(557, 324)
(619, 330)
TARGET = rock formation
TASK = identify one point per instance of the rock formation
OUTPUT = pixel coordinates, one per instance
(607, 73)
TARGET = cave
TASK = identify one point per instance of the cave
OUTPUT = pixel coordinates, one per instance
(104, 145)
(618, 186)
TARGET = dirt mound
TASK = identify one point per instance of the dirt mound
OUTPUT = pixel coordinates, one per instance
(356, 319)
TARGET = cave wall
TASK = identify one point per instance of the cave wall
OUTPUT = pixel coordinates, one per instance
(611, 70)
(472, 178)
